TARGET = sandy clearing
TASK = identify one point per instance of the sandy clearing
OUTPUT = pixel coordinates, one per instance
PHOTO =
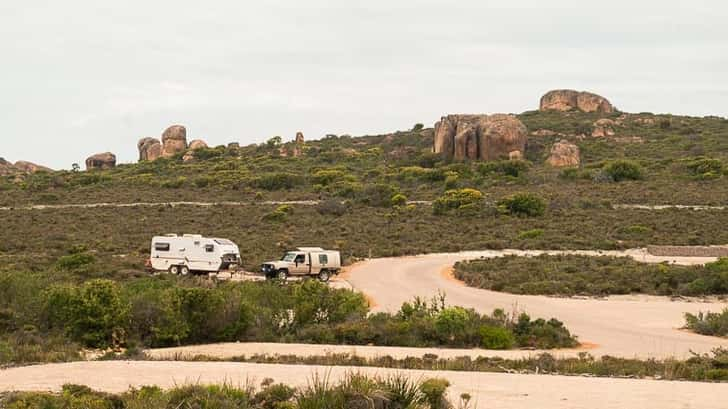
(639, 326)
(489, 390)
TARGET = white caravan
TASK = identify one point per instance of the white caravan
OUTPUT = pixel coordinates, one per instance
(192, 252)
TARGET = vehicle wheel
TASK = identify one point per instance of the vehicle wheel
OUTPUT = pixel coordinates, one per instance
(282, 275)
(174, 270)
(184, 270)
(324, 276)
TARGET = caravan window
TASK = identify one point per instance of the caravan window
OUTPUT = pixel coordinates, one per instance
(209, 248)
(323, 259)
(161, 246)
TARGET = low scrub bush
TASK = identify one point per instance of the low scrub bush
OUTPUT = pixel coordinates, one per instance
(705, 168)
(277, 181)
(279, 214)
(462, 201)
(75, 261)
(708, 323)
(586, 275)
(700, 367)
(353, 391)
(522, 204)
(378, 194)
(621, 170)
(514, 168)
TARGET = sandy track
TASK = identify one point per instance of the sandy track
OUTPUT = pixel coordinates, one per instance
(304, 203)
(489, 390)
(625, 326)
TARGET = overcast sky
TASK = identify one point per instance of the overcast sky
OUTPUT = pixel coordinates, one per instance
(81, 77)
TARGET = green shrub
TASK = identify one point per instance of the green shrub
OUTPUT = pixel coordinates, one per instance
(175, 183)
(708, 323)
(451, 322)
(331, 207)
(327, 176)
(279, 214)
(203, 181)
(277, 181)
(378, 194)
(75, 261)
(496, 337)
(514, 168)
(705, 168)
(530, 234)
(461, 200)
(522, 204)
(434, 392)
(399, 200)
(621, 170)
(94, 314)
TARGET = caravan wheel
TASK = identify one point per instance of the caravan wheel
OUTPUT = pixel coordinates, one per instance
(184, 270)
(174, 270)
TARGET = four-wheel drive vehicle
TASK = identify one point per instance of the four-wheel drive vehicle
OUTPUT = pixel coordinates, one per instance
(192, 252)
(304, 261)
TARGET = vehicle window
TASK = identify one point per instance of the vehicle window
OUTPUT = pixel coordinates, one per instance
(323, 259)
(161, 246)
(209, 248)
(288, 257)
(300, 258)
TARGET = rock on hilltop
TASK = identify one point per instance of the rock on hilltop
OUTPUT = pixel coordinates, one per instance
(106, 160)
(570, 100)
(149, 149)
(174, 140)
(483, 137)
(20, 167)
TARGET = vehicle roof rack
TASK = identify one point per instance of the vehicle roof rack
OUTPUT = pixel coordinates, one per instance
(310, 249)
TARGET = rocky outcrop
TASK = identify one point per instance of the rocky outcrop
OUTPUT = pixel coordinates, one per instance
(20, 167)
(299, 138)
(570, 100)
(174, 141)
(6, 168)
(479, 137)
(603, 128)
(564, 154)
(106, 160)
(30, 167)
(149, 149)
(197, 144)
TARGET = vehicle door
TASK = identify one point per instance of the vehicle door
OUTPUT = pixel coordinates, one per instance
(300, 264)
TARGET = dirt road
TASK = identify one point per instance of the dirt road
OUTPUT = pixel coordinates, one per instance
(489, 390)
(625, 326)
(305, 203)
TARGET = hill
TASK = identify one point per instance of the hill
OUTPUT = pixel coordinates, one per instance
(677, 160)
